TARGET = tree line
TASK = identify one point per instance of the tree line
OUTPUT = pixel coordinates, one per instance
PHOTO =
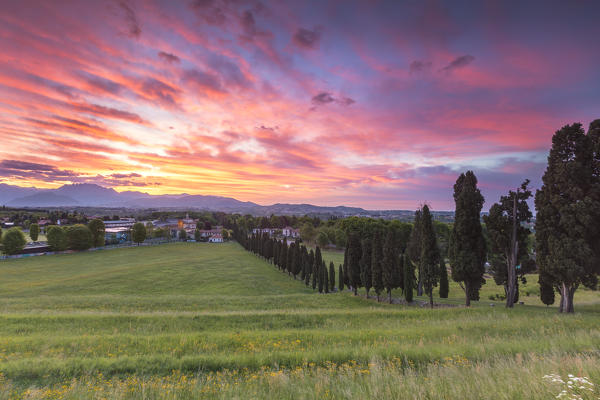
(566, 250)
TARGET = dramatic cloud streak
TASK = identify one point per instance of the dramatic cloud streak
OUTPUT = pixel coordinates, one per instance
(378, 105)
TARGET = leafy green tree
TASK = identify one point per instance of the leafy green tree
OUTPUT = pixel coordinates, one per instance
(376, 264)
(197, 235)
(354, 254)
(57, 238)
(467, 247)
(308, 233)
(341, 278)
(409, 279)
(322, 239)
(389, 263)
(443, 280)
(430, 254)
(509, 239)
(331, 277)
(98, 230)
(568, 210)
(34, 232)
(0, 234)
(138, 233)
(414, 249)
(79, 237)
(13, 241)
(340, 238)
(365, 265)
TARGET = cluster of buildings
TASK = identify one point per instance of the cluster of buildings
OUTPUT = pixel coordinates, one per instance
(172, 228)
(287, 232)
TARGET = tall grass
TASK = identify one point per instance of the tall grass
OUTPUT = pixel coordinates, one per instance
(101, 323)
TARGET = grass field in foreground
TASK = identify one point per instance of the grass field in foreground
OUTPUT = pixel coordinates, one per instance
(113, 320)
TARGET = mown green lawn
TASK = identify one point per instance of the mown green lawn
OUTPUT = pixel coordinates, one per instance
(216, 313)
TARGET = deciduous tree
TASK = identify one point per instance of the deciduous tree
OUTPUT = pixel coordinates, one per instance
(13, 241)
(34, 232)
(98, 230)
(138, 233)
(79, 237)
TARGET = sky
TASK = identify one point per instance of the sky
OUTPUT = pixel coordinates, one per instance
(375, 104)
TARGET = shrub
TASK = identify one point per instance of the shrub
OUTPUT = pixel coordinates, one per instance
(57, 238)
(13, 241)
(79, 237)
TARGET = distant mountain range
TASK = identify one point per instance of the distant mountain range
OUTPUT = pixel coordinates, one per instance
(90, 195)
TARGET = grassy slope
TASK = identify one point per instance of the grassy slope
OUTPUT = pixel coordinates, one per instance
(191, 307)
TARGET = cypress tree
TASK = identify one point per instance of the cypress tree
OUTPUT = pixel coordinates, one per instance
(389, 263)
(345, 267)
(409, 279)
(354, 255)
(365, 265)
(376, 264)
(546, 290)
(467, 248)
(443, 280)
(291, 259)
(568, 210)
(398, 273)
(283, 255)
(309, 267)
(341, 278)
(320, 277)
(315, 272)
(325, 277)
(331, 276)
(430, 255)
(414, 249)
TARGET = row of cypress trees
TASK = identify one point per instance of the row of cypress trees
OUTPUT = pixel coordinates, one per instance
(378, 263)
(294, 258)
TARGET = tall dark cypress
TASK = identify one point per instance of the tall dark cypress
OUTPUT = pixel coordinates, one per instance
(414, 249)
(341, 278)
(430, 255)
(320, 277)
(354, 255)
(309, 267)
(331, 277)
(325, 277)
(291, 258)
(398, 273)
(443, 280)
(409, 279)
(376, 263)
(315, 272)
(389, 263)
(467, 248)
(568, 211)
(345, 267)
(365, 265)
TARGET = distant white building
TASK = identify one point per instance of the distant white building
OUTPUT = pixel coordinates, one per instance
(288, 231)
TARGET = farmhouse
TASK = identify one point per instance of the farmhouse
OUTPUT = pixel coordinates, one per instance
(288, 231)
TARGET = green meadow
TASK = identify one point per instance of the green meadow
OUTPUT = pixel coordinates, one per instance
(199, 320)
